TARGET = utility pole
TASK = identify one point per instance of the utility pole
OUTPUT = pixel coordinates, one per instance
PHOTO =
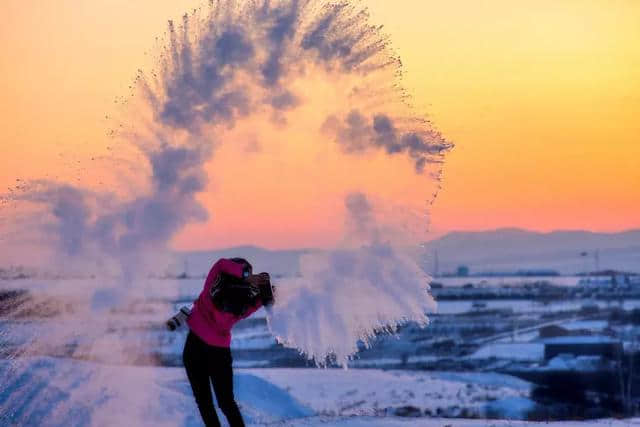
(436, 262)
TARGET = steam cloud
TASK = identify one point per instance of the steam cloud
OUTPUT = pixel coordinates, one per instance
(236, 63)
(345, 296)
(358, 133)
(223, 67)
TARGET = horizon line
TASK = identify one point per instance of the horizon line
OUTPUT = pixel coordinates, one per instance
(438, 235)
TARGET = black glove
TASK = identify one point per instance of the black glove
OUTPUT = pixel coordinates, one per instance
(266, 290)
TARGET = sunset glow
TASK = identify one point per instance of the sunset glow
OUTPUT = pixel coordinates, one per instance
(541, 103)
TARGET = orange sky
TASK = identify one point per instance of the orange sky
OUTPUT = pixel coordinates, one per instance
(542, 103)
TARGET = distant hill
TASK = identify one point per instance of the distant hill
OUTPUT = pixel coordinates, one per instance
(512, 249)
(502, 250)
(282, 262)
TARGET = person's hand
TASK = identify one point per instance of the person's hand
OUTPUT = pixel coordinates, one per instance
(263, 282)
(266, 290)
(260, 280)
(268, 295)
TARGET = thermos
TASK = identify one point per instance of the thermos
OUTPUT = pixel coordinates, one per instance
(180, 318)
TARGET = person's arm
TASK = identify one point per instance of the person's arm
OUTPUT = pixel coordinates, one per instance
(223, 265)
(263, 282)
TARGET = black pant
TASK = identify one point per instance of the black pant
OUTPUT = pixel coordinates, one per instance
(203, 363)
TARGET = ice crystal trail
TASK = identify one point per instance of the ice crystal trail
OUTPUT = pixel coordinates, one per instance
(288, 68)
(243, 62)
(345, 296)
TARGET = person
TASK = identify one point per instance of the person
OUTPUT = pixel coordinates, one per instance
(231, 293)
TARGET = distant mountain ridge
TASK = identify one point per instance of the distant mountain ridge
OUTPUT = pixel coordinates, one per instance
(510, 249)
(501, 250)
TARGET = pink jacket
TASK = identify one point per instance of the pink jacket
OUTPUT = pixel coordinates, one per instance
(209, 323)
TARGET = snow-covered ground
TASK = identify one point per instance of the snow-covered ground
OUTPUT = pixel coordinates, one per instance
(46, 391)
(57, 392)
(337, 392)
(513, 351)
(450, 422)
(37, 389)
